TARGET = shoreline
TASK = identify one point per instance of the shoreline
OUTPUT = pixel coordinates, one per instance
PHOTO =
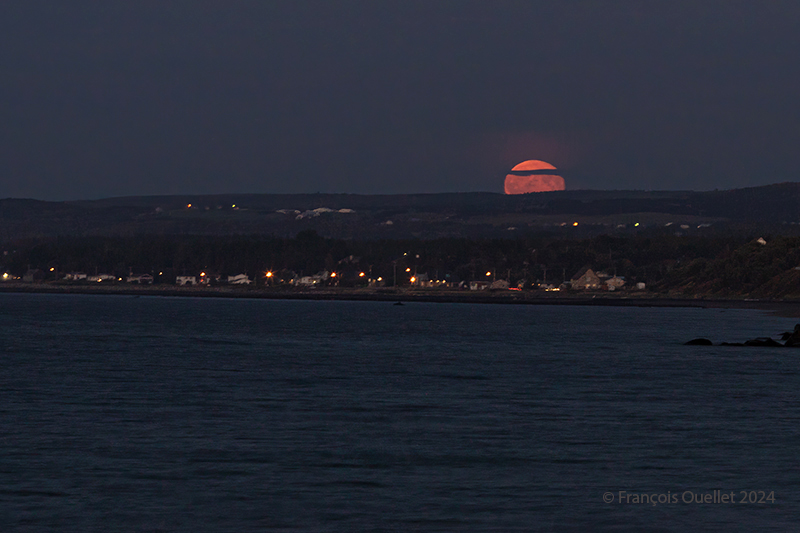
(784, 308)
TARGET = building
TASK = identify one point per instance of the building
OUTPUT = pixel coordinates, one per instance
(311, 281)
(241, 279)
(102, 277)
(186, 280)
(32, 276)
(499, 285)
(585, 279)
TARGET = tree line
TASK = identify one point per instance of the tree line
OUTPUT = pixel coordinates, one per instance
(686, 264)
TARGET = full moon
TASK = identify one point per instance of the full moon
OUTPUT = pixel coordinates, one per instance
(533, 176)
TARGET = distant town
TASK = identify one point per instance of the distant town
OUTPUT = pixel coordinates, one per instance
(585, 279)
(677, 265)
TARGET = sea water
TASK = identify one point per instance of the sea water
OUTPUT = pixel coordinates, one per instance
(120, 413)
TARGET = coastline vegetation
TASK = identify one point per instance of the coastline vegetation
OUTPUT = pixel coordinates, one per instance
(679, 266)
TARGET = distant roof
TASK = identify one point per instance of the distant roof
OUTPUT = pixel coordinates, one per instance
(581, 273)
(533, 164)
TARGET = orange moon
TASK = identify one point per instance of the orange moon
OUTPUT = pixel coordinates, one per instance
(533, 176)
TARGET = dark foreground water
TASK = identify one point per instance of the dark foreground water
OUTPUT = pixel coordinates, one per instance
(167, 414)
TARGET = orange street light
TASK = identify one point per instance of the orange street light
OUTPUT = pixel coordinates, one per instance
(269, 274)
(361, 275)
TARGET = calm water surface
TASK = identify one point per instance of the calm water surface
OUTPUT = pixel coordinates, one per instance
(182, 414)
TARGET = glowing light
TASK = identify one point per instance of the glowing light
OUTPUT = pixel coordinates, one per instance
(333, 274)
(52, 269)
(408, 269)
(234, 205)
(160, 273)
(379, 278)
(636, 225)
(188, 206)
(413, 279)
(489, 273)
(269, 274)
(360, 274)
(574, 223)
(202, 274)
(5, 275)
(99, 280)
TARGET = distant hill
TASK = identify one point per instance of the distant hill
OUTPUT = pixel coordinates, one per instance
(425, 216)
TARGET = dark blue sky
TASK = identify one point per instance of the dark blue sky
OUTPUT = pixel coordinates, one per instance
(113, 98)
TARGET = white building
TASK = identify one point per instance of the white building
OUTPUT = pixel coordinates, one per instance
(241, 279)
(310, 281)
(612, 284)
(102, 277)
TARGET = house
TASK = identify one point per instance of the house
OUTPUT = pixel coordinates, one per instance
(186, 280)
(614, 283)
(33, 276)
(76, 276)
(499, 285)
(310, 281)
(585, 279)
(101, 277)
(314, 212)
(478, 285)
(241, 279)
(141, 279)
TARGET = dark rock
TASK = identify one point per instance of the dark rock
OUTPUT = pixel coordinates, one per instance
(698, 342)
(763, 342)
(793, 338)
(731, 344)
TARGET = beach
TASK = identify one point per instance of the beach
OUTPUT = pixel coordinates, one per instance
(785, 308)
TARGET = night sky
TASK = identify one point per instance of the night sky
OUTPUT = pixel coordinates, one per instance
(117, 98)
